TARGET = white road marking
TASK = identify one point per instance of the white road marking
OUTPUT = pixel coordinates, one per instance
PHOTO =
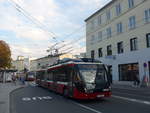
(36, 98)
(86, 107)
(26, 99)
(133, 100)
(39, 98)
(47, 97)
(33, 84)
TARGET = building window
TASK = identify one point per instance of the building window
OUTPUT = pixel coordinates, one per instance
(120, 47)
(108, 30)
(148, 39)
(147, 15)
(108, 15)
(118, 9)
(92, 24)
(133, 44)
(109, 50)
(119, 28)
(131, 3)
(92, 39)
(100, 36)
(92, 54)
(100, 53)
(132, 22)
(127, 72)
(99, 20)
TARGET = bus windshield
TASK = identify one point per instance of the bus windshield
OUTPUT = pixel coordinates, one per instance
(92, 74)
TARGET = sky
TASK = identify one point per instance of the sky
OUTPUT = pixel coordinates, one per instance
(30, 27)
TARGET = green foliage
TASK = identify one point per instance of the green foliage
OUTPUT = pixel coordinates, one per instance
(5, 55)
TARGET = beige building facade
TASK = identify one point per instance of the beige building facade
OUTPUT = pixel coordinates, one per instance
(18, 65)
(46, 61)
(119, 35)
(21, 63)
(33, 65)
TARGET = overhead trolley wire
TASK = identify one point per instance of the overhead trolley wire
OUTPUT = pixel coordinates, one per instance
(42, 26)
(32, 19)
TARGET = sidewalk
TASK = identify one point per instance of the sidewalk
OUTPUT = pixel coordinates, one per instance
(5, 89)
(129, 87)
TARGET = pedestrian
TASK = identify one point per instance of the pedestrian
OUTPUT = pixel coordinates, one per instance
(23, 80)
(17, 77)
(136, 80)
(14, 78)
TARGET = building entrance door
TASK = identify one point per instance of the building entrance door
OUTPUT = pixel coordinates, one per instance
(149, 68)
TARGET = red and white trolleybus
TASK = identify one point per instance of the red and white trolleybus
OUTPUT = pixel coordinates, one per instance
(76, 78)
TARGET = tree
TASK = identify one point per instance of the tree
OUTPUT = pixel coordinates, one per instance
(5, 55)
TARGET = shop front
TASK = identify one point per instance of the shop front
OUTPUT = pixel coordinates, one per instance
(127, 72)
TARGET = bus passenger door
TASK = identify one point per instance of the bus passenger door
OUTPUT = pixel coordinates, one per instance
(54, 81)
(70, 81)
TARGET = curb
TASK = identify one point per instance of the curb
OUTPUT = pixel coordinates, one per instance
(10, 109)
(132, 88)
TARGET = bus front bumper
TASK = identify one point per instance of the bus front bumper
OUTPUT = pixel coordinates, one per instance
(95, 95)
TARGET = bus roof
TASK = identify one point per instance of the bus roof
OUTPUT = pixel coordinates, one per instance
(75, 61)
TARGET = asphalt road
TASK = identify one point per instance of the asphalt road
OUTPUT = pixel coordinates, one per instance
(140, 94)
(34, 99)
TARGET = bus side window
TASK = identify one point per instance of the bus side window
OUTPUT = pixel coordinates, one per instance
(50, 75)
(42, 74)
(55, 75)
(69, 74)
(62, 74)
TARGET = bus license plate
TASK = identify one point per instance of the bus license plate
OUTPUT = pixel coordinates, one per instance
(100, 96)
